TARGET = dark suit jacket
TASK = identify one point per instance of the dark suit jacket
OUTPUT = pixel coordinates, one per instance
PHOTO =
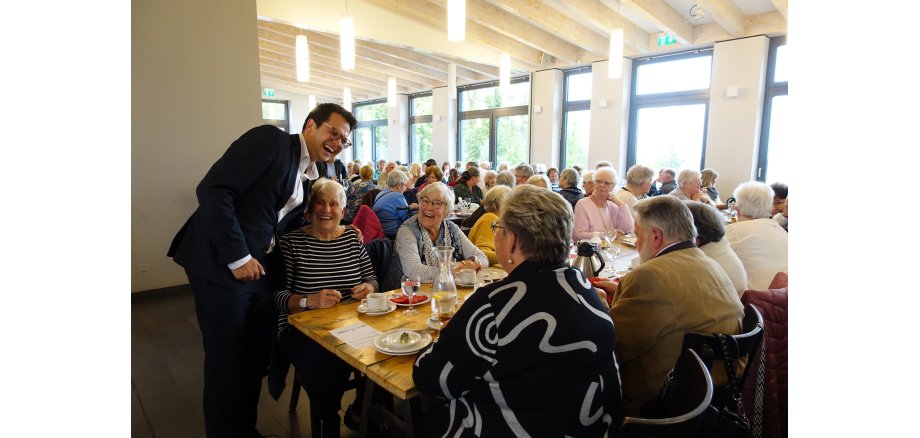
(340, 170)
(238, 203)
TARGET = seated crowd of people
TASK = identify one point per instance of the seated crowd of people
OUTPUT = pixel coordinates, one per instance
(544, 326)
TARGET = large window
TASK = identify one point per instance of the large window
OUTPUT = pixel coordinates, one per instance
(576, 118)
(420, 109)
(275, 112)
(773, 162)
(371, 136)
(494, 125)
(669, 109)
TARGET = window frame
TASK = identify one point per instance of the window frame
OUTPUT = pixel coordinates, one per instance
(771, 89)
(578, 105)
(372, 124)
(672, 98)
(491, 114)
(285, 124)
(415, 120)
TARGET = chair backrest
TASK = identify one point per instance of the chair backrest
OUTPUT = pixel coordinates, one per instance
(385, 261)
(688, 397)
(708, 347)
(369, 197)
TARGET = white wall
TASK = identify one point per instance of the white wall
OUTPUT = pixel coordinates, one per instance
(733, 133)
(545, 124)
(443, 126)
(398, 130)
(195, 88)
(609, 116)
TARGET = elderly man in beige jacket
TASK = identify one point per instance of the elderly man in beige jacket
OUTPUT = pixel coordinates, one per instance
(675, 289)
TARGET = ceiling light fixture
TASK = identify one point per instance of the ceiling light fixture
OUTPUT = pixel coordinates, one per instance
(456, 20)
(347, 40)
(391, 92)
(452, 80)
(615, 62)
(346, 98)
(504, 71)
(302, 51)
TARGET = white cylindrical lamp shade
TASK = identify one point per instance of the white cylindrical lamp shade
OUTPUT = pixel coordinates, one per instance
(452, 80)
(456, 20)
(615, 63)
(302, 52)
(347, 42)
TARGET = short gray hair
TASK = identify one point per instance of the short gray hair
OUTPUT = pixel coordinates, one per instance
(754, 199)
(571, 178)
(524, 169)
(494, 198)
(489, 173)
(687, 176)
(605, 170)
(639, 175)
(329, 187)
(396, 178)
(542, 221)
(538, 179)
(588, 176)
(505, 178)
(668, 214)
(603, 163)
(438, 191)
(710, 226)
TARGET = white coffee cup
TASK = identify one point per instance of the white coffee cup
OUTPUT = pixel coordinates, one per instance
(376, 302)
(467, 276)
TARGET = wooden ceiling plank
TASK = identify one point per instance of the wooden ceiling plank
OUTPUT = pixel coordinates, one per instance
(419, 58)
(306, 89)
(663, 16)
(330, 83)
(603, 19)
(782, 6)
(551, 20)
(726, 14)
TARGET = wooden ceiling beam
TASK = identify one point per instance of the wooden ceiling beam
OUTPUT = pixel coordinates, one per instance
(289, 76)
(422, 59)
(552, 21)
(305, 89)
(726, 14)
(663, 16)
(435, 16)
(334, 73)
(603, 19)
(782, 6)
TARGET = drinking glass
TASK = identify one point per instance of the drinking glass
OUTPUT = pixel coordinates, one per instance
(609, 237)
(410, 287)
(615, 249)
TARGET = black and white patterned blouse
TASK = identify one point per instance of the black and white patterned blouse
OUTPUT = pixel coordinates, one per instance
(531, 355)
(312, 265)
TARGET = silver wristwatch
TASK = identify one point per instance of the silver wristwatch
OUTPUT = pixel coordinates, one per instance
(303, 303)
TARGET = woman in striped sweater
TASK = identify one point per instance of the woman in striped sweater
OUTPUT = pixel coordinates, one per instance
(325, 263)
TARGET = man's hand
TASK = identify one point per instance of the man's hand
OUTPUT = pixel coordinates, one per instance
(251, 270)
(362, 290)
(358, 231)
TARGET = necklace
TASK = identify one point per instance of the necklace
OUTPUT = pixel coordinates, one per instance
(604, 215)
(335, 233)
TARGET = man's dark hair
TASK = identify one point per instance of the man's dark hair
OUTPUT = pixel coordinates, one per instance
(322, 112)
(780, 190)
(707, 220)
(431, 162)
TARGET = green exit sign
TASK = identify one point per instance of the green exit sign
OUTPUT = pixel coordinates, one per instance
(270, 92)
(666, 40)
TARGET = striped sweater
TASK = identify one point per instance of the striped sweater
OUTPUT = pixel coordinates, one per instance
(312, 265)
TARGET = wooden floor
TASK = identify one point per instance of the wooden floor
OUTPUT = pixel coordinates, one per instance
(167, 369)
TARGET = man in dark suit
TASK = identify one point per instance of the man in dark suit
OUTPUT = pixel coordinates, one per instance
(251, 196)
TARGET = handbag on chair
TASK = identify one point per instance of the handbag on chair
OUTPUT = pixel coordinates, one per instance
(726, 419)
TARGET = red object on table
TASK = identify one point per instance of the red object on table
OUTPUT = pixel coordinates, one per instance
(402, 299)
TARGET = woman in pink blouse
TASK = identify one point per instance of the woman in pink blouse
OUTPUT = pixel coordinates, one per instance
(601, 212)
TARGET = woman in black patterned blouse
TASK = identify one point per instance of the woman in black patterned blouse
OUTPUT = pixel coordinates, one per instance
(531, 355)
(325, 263)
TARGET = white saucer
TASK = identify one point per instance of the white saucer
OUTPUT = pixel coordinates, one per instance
(427, 299)
(460, 283)
(492, 274)
(393, 340)
(381, 344)
(391, 307)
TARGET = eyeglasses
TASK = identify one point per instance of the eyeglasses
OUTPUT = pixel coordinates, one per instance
(604, 183)
(338, 136)
(436, 204)
(496, 225)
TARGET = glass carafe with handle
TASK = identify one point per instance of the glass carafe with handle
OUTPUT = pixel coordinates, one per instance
(443, 287)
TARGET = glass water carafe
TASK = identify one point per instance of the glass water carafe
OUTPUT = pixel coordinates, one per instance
(443, 288)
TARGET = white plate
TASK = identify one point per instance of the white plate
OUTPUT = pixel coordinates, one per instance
(460, 283)
(427, 299)
(492, 274)
(392, 340)
(382, 346)
(363, 310)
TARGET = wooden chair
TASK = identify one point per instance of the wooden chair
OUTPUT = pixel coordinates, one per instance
(689, 395)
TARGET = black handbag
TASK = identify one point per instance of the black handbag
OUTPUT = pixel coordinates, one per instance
(727, 420)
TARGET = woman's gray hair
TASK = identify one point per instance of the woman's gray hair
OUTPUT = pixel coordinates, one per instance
(489, 173)
(570, 177)
(708, 177)
(606, 170)
(329, 187)
(396, 178)
(639, 175)
(505, 178)
(603, 163)
(710, 226)
(754, 199)
(494, 199)
(688, 176)
(539, 180)
(588, 176)
(668, 214)
(438, 191)
(542, 222)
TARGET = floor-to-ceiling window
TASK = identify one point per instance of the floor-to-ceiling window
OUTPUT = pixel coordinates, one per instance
(669, 109)
(420, 109)
(275, 112)
(773, 160)
(576, 118)
(494, 124)
(371, 136)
